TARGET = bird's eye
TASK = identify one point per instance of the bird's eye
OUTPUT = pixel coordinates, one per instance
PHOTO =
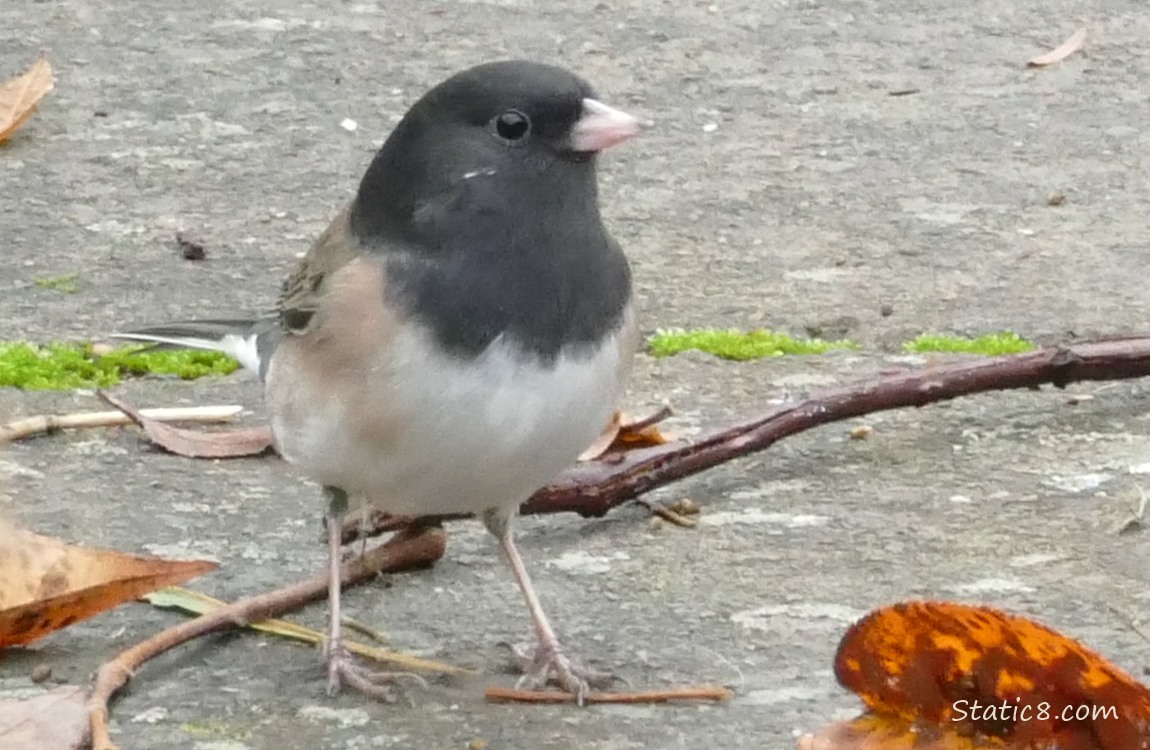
(512, 125)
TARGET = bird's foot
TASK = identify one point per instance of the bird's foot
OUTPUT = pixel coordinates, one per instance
(548, 666)
(342, 669)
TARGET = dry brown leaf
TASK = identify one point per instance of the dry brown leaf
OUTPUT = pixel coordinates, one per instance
(48, 584)
(606, 438)
(249, 441)
(626, 433)
(20, 96)
(56, 720)
(1074, 43)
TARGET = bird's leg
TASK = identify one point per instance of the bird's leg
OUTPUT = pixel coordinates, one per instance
(548, 664)
(341, 668)
(333, 646)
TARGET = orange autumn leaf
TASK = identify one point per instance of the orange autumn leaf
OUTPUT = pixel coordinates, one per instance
(643, 433)
(20, 96)
(948, 676)
(624, 432)
(874, 732)
(48, 584)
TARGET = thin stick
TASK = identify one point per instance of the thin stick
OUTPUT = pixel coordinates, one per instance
(651, 420)
(703, 693)
(45, 423)
(406, 550)
(668, 515)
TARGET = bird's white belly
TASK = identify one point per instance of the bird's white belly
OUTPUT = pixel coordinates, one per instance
(462, 436)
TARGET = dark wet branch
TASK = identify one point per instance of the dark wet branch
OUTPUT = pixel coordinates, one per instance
(595, 487)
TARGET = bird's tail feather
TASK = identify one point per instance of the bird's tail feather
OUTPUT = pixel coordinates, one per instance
(241, 339)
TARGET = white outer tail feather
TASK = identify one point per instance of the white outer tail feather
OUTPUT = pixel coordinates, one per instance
(241, 346)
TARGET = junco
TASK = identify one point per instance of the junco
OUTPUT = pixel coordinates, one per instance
(462, 329)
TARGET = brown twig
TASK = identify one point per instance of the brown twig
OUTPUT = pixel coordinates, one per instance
(593, 488)
(45, 423)
(411, 548)
(667, 514)
(703, 693)
(650, 420)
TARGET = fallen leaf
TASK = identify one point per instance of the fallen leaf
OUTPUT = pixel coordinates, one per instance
(1074, 43)
(193, 602)
(625, 433)
(606, 438)
(946, 676)
(871, 732)
(643, 433)
(238, 443)
(55, 720)
(48, 584)
(20, 96)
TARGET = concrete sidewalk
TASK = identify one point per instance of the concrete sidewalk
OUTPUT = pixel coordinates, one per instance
(818, 201)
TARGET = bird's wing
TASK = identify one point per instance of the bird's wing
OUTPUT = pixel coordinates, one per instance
(302, 291)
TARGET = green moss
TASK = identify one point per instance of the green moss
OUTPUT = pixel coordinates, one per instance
(68, 283)
(991, 344)
(63, 366)
(188, 364)
(739, 345)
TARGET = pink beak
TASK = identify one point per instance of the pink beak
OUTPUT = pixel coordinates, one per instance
(602, 127)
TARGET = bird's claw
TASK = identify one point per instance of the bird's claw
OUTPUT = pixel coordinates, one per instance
(548, 666)
(342, 670)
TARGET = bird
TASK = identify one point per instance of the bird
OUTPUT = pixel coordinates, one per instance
(460, 332)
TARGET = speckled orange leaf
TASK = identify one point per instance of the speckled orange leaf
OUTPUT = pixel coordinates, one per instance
(930, 673)
(47, 584)
(874, 732)
(20, 96)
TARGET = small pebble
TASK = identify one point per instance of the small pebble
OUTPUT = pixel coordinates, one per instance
(41, 673)
(1055, 199)
(349, 125)
(710, 127)
(190, 248)
(685, 506)
(862, 432)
